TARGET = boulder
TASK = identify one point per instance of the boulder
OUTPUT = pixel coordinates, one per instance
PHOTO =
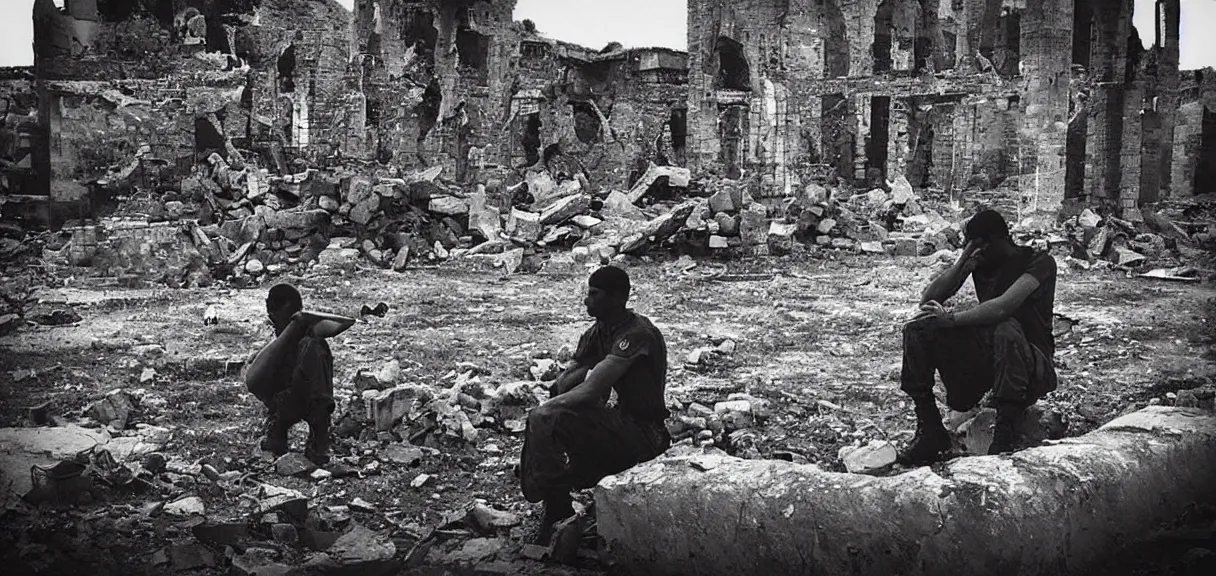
(386, 407)
(677, 177)
(448, 205)
(565, 209)
(524, 226)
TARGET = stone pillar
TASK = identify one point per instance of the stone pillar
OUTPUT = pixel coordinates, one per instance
(1130, 151)
(862, 116)
(1046, 46)
(898, 135)
(1168, 15)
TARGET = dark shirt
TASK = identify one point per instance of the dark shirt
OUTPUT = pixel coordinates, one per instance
(640, 391)
(1035, 312)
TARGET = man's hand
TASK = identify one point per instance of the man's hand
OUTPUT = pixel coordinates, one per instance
(969, 260)
(933, 315)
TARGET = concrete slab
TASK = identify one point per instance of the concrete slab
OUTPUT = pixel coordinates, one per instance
(1047, 510)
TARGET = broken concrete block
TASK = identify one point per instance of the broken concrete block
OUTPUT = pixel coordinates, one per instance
(1127, 257)
(293, 464)
(524, 226)
(753, 225)
(542, 188)
(259, 562)
(872, 248)
(254, 267)
(189, 506)
(328, 203)
(905, 246)
(359, 551)
(721, 202)
(617, 205)
(475, 550)
(677, 177)
(402, 454)
(387, 407)
(873, 457)
(1087, 219)
(488, 520)
(448, 205)
(401, 259)
(901, 191)
(826, 225)
(728, 224)
(113, 410)
(360, 190)
(565, 209)
(657, 230)
(363, 212)
(1144, 468)
(781, 237)
(585, 221)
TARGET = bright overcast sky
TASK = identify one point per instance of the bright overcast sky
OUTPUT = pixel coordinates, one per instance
(641, 23)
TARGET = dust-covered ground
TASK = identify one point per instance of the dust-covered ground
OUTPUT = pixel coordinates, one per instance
(820, 340)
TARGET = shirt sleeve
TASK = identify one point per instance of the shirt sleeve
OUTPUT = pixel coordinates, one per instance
(632, 344)
(1042, 267)
(584, 353)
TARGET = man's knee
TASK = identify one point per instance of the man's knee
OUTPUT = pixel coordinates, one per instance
(1008, 332)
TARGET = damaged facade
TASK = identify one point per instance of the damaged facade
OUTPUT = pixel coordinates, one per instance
(1045, 100)
(460, 85)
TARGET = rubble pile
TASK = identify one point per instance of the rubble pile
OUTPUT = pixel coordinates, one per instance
(1159, 246)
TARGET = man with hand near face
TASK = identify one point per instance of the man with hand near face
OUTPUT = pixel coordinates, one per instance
(1004, 344)
(574, 439)
(293, 375)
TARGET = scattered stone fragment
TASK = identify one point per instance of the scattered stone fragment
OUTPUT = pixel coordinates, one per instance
(488, 520)
(190, 555)
(258, 562)
(534, 552)
(113, 410)
(419, 481)
(566, 536)
(321, 474)
(402, 454)
(475, 550)
(873, 457)
(285, 533)
(254, 266)
(293, 464)
(189, 506)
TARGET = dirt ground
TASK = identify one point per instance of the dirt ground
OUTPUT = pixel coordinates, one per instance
(819, 339)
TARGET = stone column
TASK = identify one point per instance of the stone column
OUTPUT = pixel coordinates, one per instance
(1046, 45)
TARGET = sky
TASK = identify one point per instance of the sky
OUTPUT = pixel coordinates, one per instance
(644, 23)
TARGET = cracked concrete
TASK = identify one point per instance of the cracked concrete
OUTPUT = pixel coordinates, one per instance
(1065, 505)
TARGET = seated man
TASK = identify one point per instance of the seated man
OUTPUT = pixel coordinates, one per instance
(574, 439)
(1004, 344)
(293, 375)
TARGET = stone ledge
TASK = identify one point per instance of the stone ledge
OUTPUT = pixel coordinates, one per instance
(1048, 510)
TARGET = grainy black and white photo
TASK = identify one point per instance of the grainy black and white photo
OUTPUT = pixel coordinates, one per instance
(608, 287)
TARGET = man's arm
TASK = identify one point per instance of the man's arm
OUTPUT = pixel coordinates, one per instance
(597, 385)
(946, 285)
(571, 377)
(996, 310)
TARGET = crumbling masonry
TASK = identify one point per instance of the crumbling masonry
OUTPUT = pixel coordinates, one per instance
(1025, 104)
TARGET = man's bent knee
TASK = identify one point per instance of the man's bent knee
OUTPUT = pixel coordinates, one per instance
(1009, 331)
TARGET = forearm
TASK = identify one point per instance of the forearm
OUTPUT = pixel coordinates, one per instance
(985, 314)
(569, 379)
(944, 286)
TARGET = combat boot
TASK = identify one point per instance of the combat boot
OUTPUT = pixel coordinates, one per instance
(931, 438)
(557, 508)
(318, 446)
(1004, 431)
(274, 433)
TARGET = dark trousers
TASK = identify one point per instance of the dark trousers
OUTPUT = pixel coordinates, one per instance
(971, 361)
(572, 449)
(303, 399)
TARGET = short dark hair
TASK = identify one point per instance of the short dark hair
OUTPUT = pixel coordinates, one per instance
(283, 295)
(610, 279)
(987, 225)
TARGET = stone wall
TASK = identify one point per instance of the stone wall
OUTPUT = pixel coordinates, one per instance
(460, 85)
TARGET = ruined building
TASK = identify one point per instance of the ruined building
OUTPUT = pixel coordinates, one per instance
(1055, 99)
(1026, 104)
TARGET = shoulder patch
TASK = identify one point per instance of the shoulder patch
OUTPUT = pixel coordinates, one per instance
(623, 345)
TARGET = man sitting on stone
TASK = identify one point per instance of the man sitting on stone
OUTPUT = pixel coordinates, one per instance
(1004, 344)
(293, 375)
(574, 439)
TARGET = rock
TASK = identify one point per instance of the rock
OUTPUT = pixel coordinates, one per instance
(721, 202)
(484, 219)
(873, 457)
(905, 246)
(293, 464)
(872, 248)
(781, 237)
(387, 407)
(297, 224)
(363, 212)
(403, 454)
(321, 474)
(475, 550)
(113, 410)
(361, 551)
(825, 226)
(717, 242)
(901, 191)
(221, 533)
(565, 209)
(189, 506)
(1088, 220)
(753, 225)
(544, 369)
(524, 226)
(617, 205)
(677, 177)
(254, 267)
(400, 260)
(385, 377)
(563, 547)
(488, 520)
(657, 230)
(585, 221)
(258, 562)
(190, 555)
(338, 257)
(728, 224)
(328, 203)
(448, 205)
(1098, 244)
(1127, 257)
(285, 534)
(420, 480)
(542, 188)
